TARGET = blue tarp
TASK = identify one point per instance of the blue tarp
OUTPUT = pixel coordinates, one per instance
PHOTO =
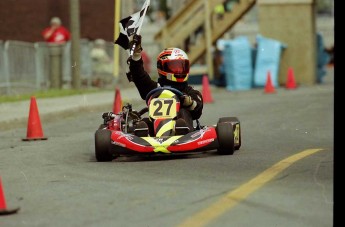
(267, 59)
(238, 64)
(322, 58)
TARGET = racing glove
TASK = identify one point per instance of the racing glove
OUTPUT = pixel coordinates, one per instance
(188, 102)
(135, 39)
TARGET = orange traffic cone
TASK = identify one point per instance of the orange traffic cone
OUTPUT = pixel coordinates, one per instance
(206, 91)
(290, 83)
(34, 130)
(3, 207)
(117, 107)
(269, 88)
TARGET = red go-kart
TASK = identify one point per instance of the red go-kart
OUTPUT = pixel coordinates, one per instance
(119, 134)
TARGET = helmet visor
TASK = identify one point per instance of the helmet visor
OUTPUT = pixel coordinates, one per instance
(178, 66)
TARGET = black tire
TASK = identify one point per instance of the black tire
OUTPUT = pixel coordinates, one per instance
(228, 119)
(225, 136)
(102, 126)
(102, 145)
(234, 121)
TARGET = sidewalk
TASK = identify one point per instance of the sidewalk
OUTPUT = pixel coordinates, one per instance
(15, 114)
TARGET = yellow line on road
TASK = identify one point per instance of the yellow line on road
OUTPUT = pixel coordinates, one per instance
(231, 199)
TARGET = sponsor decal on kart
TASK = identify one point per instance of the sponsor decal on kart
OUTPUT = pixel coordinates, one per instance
(201, 132)
(124, 135)
(205, 141)
(118, 144)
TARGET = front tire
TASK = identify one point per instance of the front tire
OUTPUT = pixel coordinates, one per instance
(236, 128)
(102, 126)
(102, 145)
(225, 136)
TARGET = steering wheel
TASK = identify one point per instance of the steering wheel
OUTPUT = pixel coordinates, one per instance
(174, 90)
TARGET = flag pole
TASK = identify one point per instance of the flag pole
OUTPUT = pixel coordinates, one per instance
(147, 2)
(141, 22)
(117, 12)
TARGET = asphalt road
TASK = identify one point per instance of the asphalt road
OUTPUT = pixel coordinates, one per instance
(281, 176)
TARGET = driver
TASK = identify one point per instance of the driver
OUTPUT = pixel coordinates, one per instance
(173, 69)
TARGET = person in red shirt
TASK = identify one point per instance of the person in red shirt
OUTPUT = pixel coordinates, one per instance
(56, 33)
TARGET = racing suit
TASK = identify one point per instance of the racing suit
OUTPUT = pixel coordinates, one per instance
(145, 84)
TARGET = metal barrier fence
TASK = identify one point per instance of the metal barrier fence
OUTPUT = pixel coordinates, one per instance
(25, 66)
(18, 65)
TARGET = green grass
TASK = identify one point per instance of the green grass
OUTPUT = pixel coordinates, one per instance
(51, 93)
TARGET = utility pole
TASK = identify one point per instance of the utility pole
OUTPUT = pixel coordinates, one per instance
(117, 13)
(75, 43)
(208, 35)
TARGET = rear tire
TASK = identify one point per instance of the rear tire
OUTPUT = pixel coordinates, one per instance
(225, 136)
(102, 145)
(233, 121)
(228, 119)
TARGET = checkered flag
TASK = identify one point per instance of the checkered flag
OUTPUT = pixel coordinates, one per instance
(131, 25)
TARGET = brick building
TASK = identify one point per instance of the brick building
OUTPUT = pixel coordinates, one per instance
(24, 20)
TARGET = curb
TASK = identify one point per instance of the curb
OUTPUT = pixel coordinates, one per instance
(15, 115)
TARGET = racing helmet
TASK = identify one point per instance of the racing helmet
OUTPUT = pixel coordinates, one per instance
(173, 64)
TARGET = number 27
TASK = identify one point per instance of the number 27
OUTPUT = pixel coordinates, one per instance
(160, 103)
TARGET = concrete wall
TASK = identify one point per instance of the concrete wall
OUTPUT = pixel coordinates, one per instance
(293, 23)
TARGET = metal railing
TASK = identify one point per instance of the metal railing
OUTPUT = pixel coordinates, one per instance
(25, 66)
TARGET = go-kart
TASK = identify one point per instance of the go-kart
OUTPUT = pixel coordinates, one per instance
(119, 134)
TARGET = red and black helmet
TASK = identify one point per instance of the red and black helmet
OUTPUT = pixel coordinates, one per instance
(173, 63)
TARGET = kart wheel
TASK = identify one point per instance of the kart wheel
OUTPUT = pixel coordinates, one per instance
(102, 145)
(228, 119)
(236, 128)
(225, 136)
(102, 126)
